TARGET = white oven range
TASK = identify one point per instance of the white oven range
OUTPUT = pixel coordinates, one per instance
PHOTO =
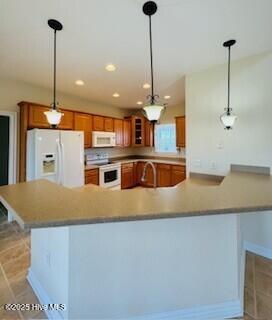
(109, 172)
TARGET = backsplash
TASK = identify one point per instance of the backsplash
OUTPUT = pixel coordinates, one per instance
(112, 152)
(145, 151)
(150, 151)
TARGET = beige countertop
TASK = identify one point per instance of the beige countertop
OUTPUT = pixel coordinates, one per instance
(175, 162)
(41, 203)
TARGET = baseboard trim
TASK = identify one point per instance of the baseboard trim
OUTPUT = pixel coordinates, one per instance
(42, 296)
(218, 311)
(257, 249)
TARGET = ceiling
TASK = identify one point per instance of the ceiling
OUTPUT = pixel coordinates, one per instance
(187, 37)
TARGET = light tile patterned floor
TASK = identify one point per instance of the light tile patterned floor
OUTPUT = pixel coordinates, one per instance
(14, 263)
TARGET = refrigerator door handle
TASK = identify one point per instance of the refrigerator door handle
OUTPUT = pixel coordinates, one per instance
(59, 162)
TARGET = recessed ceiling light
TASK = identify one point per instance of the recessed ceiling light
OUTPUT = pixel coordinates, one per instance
(116, 95)
(139, 103)
(110, 67)
(79, 82)
(167, 97)
(146, 86)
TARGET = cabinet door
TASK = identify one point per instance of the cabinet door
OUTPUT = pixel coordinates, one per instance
(118, 129)
(92, 176)
(164, 175)
(98, 123)
(138, 136)
(127, 176)
(178, 174)
(180, 131)
(108, 124)
(37, 118)
(127, 133)
(149, 134)
(67, 120)
(83, 122)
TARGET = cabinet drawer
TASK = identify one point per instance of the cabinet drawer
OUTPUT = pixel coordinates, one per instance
(179, 168)
(127, 165)
(163, 166)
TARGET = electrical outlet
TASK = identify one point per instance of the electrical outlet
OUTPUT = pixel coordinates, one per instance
(213, 165)
(198, 164)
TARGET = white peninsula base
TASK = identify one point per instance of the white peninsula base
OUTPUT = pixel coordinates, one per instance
(180, 268)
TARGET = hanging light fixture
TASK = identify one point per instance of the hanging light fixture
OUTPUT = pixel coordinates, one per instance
(228, 117)
(153, 109)
(54, 116)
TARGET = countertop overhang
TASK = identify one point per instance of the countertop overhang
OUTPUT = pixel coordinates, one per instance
(41, 204)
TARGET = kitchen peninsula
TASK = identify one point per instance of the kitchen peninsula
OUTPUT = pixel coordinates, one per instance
(172, 252)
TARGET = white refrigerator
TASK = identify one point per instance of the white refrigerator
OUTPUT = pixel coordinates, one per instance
(56, 155)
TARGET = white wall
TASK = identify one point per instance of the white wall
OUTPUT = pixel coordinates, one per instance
(50, 262)
(12, 92)
(251, 98)
(257, 229)
(121, 270)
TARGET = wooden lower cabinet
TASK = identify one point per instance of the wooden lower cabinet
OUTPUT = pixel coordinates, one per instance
(164, 175)
(92, 176)
(178, 174)
(149, 175)
(127, 176)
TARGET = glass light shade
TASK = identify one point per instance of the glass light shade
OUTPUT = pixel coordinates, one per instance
(53, 117)
(153, 111)
(228, 119)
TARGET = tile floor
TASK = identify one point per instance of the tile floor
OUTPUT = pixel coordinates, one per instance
(14, 263)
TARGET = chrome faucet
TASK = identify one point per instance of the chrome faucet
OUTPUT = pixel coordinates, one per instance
(143, 179)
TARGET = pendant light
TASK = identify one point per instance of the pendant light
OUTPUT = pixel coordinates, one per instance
(228, 117)
(54, 116)
(153, 109)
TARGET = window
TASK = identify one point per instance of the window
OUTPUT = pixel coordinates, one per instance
(165, 138)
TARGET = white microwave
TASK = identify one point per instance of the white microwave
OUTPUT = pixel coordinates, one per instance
(103, 139)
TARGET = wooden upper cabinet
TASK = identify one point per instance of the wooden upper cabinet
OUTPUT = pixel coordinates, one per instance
(164, 175)
(108, 124)
(118, 129)
(36, 117)
(127, 175)
(149, 134)
(67, 120)
(180, 131)
(127, 133)
(83, 122)
(98, 123)
(178, 174)
(138, 131)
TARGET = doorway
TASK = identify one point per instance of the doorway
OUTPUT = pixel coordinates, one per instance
(4, 149)
(8, 151)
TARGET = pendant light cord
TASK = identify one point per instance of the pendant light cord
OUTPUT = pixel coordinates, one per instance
(228, 109)
(151, 61)
(55, 67)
